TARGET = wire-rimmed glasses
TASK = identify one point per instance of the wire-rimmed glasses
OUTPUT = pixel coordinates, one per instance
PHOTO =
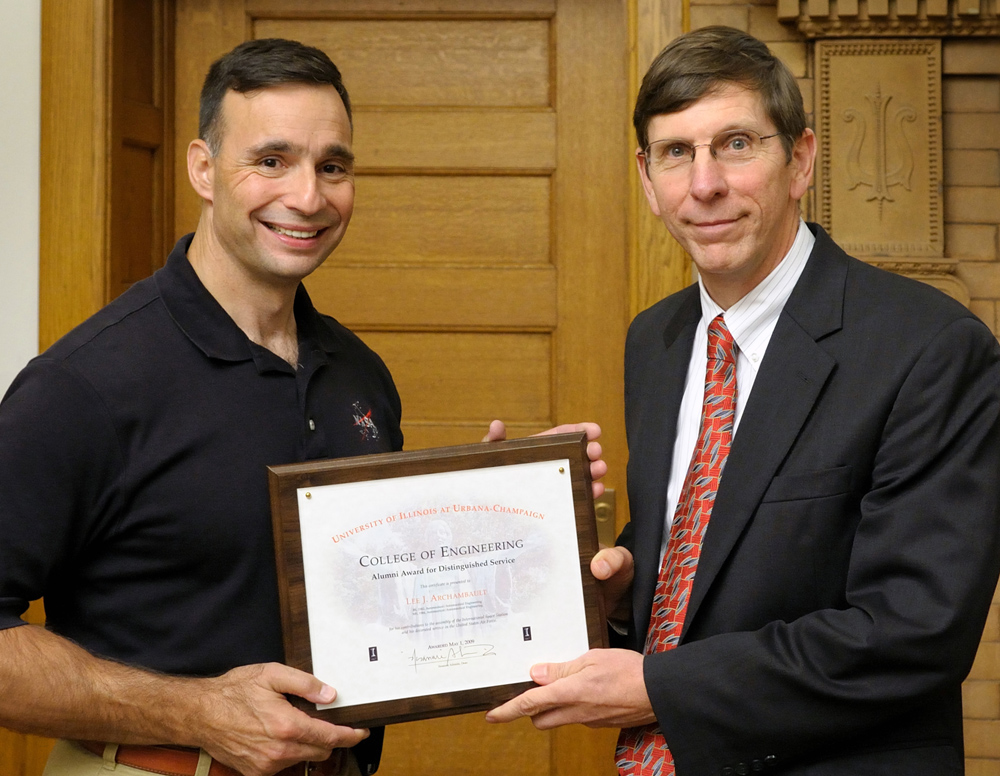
(732, 147)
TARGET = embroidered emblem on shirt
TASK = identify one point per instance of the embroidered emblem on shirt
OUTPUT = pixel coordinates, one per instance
(363, 420)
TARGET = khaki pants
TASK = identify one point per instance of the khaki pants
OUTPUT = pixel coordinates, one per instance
(68, 759)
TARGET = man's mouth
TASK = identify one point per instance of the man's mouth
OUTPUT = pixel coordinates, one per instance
(714, 222)
(297, 233)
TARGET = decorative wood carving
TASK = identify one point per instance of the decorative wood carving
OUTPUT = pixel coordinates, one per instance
(879, 172)
(911, 18)
(940, 273)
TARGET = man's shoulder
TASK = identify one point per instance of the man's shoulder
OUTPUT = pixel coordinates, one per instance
(842, 293)
(871, 282)
(92, 362)
(874, 293)
(117, 320)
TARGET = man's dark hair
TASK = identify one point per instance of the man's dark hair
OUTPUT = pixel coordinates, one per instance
(701, 62)
(257, 64)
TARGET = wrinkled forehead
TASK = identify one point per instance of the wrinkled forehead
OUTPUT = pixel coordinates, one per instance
(289, 108)
(727, 107)
(680, 94)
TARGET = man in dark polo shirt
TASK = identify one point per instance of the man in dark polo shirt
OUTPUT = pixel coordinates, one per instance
(133, 491)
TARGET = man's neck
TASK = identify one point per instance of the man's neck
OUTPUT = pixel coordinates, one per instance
(726, 291)
(264, 311)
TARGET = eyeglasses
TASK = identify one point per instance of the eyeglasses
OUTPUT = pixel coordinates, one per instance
(732, 147)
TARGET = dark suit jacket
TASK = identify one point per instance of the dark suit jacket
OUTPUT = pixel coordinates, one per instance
(854, 545)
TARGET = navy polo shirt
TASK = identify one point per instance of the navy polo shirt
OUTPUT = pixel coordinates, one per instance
(133, 480)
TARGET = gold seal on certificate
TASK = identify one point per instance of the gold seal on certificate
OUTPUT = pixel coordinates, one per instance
(428, 583)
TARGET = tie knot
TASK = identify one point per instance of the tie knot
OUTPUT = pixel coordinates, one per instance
(720, 342)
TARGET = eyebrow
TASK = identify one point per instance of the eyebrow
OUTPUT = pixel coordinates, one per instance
(332, 151)
(733, 127)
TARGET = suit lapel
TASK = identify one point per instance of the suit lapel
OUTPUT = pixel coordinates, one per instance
(791, 378)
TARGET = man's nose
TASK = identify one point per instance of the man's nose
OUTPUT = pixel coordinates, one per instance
(303, 192)
(708, 177)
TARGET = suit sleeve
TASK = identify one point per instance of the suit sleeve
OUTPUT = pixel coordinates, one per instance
(921, 574)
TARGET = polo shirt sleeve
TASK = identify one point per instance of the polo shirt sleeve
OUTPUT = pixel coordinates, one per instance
(59, 458)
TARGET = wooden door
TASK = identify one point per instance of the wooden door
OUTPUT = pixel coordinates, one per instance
(486, 261)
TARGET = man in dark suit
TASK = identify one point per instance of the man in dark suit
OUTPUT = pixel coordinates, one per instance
(803, 584)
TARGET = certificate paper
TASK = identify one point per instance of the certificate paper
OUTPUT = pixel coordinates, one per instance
(425, 589)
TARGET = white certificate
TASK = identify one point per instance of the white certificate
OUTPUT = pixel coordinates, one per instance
(441, 582)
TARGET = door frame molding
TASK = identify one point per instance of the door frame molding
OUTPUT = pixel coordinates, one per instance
(75, 182)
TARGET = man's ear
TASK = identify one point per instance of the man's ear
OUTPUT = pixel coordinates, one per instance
(803, 161)
(201, 168)
(647, 185)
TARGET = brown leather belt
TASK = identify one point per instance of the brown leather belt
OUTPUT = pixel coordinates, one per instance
(170, 761)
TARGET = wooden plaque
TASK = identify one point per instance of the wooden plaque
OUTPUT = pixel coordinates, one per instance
(426, 584)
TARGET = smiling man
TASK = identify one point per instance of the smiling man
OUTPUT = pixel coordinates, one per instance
(814, 470)
(151, 540)
(133, 455)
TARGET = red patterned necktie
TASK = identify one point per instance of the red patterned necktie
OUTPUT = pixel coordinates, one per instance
(642, 751)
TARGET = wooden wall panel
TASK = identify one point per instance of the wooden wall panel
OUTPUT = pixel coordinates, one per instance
(469, 376)
(450, 297)
(469, 63)
(140, 44)
(133, 207)
(449, 219)
(490, 751)
(375, 8)
(455, 140)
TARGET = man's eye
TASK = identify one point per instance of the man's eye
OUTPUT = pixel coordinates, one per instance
(738, 143)
(333, 169)
(676, 151)
(270, 163)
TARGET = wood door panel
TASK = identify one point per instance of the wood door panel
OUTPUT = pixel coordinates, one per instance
(486, 260)
(414, 62)
(464, 376)
(449, 297)
(437, 139)
(133, 199)
(422, 434)
(449, 219)
(380, 8)
(466, 745)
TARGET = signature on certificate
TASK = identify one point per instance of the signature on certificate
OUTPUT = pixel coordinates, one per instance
(453, 653)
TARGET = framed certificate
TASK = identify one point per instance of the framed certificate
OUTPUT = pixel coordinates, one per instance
(428, 583)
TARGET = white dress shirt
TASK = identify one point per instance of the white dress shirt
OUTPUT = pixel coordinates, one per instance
(751, 321)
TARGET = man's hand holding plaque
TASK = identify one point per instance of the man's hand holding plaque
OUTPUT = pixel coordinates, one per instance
(598, 466)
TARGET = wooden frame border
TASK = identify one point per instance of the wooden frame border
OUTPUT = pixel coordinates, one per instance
(285, 482)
